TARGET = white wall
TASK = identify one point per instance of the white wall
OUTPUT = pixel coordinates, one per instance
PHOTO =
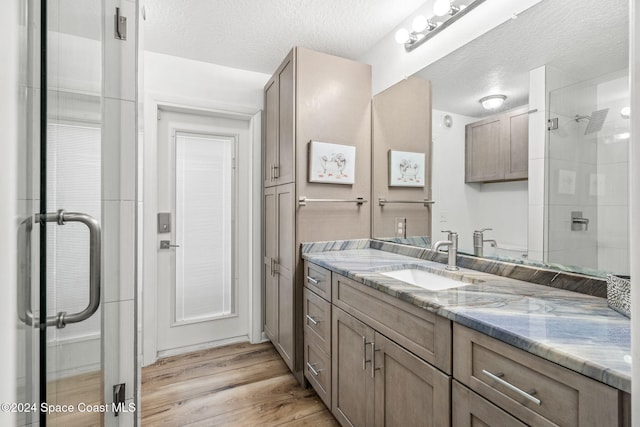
(8, 209)
(464, 208)
(184, 83)
(391, 63)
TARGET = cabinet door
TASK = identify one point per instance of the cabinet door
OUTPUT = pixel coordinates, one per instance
(470, 410)
(285, 260)
(484, 153)
(285, 164)
(516, 128)
(270, 234)
(352, 383)
(270, 144)
(408, 390)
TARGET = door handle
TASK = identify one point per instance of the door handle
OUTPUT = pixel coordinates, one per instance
(95, 260)
(166, 244)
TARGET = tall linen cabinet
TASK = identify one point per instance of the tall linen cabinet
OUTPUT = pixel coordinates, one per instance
(312, 96)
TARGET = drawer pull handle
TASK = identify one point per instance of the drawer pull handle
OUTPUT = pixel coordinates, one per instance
(312, 320)
(373, 359)
(312, 370)
(312, 280)
(512, 387)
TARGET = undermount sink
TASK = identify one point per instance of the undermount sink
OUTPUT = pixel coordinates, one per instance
(427, 280)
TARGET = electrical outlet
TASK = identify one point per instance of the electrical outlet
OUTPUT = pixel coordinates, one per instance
(401, 227)
(444, 216)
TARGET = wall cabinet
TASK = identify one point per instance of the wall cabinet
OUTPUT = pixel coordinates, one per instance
(497, 147)
(302, 104)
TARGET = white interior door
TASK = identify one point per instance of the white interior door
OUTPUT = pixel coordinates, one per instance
(201, 302)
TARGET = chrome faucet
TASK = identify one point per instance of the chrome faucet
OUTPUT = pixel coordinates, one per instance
(452, 243)
(479, 241)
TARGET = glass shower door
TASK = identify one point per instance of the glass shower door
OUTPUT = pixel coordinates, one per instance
(65, 377)
(587, 193)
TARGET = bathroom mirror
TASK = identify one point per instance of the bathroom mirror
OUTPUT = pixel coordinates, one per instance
(564, 60)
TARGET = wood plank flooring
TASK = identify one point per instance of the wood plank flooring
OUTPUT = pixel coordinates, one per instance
(236, 385)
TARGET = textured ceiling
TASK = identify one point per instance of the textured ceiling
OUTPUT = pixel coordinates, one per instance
(583, 38)
(256, 34)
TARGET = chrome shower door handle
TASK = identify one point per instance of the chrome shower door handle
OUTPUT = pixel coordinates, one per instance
(95, 261)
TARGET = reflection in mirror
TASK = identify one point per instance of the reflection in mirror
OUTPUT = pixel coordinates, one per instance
(553, 197)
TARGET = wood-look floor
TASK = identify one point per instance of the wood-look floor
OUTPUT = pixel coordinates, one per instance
(236, 385)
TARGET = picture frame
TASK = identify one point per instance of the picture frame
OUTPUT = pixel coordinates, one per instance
(406, 169)
(331, 163)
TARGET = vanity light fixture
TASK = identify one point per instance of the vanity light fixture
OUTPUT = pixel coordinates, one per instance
(424, 28)
(492, 102)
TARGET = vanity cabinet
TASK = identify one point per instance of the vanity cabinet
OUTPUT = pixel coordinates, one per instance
(497, 147)
(301, 104)
(533, 390)
(376, 380)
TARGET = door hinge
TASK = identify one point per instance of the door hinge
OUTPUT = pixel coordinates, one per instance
(120, 30)
(118, 398)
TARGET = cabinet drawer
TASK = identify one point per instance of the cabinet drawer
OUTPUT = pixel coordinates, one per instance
(318, 279)
(536, 391)
(317, 368)
(470, 410)
(425, 334)
(317, 319)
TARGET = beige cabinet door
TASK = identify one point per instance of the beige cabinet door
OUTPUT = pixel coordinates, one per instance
(408, 390)
(352, 381)
(516, 128)
(270, 143)
(484, 153)
(284, 265)
(285, 164)
(470, 410)
(270, 256)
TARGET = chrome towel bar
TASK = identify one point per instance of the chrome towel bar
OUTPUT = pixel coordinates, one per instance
(302, 201)
(425, 202)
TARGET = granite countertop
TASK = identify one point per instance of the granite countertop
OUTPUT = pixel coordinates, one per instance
(577, 331)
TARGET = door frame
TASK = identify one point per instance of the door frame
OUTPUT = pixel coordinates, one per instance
(148, 210)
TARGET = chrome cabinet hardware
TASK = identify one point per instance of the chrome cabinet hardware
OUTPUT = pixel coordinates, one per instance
(276, 171)
(498, 378)
(425, 202)
(166, 244)
(312, 280)
(577, 221)
(364, 352)
(302, 201)
(313, 370)
(373, 359)
(312, 320)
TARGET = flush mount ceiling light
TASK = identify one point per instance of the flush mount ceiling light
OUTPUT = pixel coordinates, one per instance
(492, 102)
(424, 28)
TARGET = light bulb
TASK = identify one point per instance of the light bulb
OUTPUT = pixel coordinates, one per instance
(402, 36)
(625, 112)
(420, 23)
(441, 7)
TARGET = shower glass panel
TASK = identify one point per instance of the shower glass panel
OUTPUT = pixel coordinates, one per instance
(587, 186)
(61, 180)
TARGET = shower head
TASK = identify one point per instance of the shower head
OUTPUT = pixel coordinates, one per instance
(596, 120)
